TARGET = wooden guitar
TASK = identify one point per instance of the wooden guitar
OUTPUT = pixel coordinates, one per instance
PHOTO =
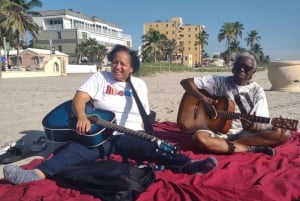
(191, 116)
(60, 126)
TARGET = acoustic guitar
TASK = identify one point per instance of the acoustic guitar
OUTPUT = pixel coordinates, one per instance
(191, 115)
(60, 126)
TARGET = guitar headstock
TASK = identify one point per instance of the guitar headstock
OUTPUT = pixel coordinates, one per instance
(289, 124)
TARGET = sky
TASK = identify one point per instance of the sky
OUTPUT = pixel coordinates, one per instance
(276, 21)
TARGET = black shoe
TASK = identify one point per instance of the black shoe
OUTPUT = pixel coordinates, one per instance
(262, 149)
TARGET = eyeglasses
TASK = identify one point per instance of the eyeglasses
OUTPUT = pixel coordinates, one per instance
(244, 66)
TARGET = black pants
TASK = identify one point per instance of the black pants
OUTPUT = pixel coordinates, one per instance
(127, 146)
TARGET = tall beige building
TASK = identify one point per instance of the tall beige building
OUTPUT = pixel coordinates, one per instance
(185, 36)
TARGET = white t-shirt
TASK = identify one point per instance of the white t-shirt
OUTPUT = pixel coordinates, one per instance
(252, 96)
(117, 97)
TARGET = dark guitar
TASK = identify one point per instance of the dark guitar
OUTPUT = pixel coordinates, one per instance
(191, 116)
(60, 126)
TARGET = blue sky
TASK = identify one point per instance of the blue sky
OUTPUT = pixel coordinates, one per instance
(276, 21)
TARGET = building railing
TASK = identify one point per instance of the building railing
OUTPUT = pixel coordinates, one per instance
(89, 29)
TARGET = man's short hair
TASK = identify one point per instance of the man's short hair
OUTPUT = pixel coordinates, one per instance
(248, 54)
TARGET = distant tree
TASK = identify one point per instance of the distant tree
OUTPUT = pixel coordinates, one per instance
(257, 49)
(252, 38)
(91, 51)
(202, 40)
(228, 33)
(80, 51)
(153, 44)
(238, 29)
(235, 47)
(17, 19)
(170, 47)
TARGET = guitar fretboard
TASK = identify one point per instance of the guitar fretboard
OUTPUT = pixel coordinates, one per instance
(253, 118)
(115, 127)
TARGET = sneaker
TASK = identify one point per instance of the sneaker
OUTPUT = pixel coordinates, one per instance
(6, 146)
(262, 149)
(201, 166)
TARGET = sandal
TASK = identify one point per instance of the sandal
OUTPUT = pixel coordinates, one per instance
(21, 151)
(7, 146)
(12, 155)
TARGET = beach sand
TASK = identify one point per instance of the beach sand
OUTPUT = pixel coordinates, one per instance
(25, 101)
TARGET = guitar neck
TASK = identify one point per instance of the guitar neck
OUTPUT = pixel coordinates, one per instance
(115, 127)
(233, 115)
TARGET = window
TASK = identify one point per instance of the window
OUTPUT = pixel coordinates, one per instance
(84, 35)
(59, 35)
(60, 48)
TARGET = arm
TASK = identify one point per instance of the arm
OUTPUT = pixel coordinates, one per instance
(208, 102)
(79, 101)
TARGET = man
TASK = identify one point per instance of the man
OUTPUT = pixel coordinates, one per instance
(249, 98)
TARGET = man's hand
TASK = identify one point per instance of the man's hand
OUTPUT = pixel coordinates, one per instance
(209, 107)
(250, 125)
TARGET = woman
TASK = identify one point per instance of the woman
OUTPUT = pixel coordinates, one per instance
(110, 91)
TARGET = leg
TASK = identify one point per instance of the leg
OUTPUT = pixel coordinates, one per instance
(69, 155)
(204, 141)
(144, 150)
(273, 137)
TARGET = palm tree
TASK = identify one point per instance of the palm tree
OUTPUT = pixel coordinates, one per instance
(91, 50)
(252, 38)
(170, 47)
(152, 43)
(227, 32)
(19, 20)
(238, 28)
(7, 8)
(202, 40)
(257, 49)
(28, 6)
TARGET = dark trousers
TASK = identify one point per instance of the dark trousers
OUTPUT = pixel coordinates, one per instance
(125, 145)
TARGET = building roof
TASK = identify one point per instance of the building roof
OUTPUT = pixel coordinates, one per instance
(76, 14)
(43, 51)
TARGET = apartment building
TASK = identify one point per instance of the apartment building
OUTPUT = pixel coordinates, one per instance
(185, 36)
(63, 30)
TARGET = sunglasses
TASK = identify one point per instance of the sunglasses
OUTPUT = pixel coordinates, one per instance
(244, 66)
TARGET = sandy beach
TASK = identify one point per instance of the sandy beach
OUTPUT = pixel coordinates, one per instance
(25, 101)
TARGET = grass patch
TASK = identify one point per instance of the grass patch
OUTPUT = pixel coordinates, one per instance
(154, 68)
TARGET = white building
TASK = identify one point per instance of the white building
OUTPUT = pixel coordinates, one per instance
(65, 29)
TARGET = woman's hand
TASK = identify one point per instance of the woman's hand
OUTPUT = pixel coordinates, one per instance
(83, 125)
(80, 99)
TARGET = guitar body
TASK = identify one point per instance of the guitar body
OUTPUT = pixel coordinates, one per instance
(60, 125)
(191, 115)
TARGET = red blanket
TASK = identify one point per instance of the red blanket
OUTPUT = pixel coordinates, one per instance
(242, 176)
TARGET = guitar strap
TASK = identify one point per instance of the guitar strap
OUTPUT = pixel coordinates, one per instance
(237, 99)
(146, 119)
